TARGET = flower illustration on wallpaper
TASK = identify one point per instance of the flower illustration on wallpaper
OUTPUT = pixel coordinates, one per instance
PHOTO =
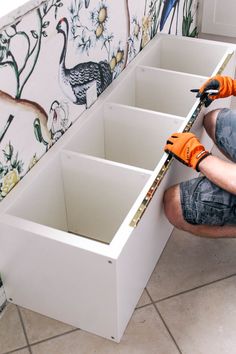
(76, 81)
(133, 41)
(23, 69)
(10, 170)
(58, 121)
(146, 30)
(117, 58)
(88, 35)
(99, 18)
(150, 20)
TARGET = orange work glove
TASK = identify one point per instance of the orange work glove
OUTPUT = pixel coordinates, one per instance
(223, 84)
(186, 148)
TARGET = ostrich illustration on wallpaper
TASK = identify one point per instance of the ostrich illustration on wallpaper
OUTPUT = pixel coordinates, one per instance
(76, 81)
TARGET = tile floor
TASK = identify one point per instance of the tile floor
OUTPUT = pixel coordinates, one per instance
(188, 306)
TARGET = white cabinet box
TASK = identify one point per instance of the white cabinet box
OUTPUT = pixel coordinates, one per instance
(82, 232)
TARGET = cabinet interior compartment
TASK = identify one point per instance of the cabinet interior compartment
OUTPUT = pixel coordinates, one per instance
(185, 55)
(81, 195)
(158, 90)
(126, 135)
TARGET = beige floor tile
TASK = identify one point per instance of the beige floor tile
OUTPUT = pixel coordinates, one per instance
(22, 351)
(189, 261)
(145, 334)
(144, 300)
(11, 332)
(203, 321)
(39, 327)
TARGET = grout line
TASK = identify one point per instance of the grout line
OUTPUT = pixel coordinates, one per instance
(24, 329)
(150, 303)
(16, 350)
(57, 336)
(164, 323)
(184, 291)
(29, 345)
(142, 306)
(173, 338)
(195, 288)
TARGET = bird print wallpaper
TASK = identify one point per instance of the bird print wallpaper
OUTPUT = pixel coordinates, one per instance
(53, 54)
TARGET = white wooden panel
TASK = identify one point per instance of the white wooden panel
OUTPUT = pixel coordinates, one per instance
(43, 199)
(166, 91)
(59, 280)
(7, 7)
(145, 244)
(191, 56)
(135, 136)
(186, 55)
(90, 137)
(219, 17)
(125, 92)
(98, 195)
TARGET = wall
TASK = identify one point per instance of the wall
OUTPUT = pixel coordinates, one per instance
(222, 37)
(50, 57)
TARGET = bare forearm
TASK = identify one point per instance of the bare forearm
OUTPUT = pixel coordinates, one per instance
(220, 172)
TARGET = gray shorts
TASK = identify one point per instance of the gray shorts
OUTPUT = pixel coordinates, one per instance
(204, 203)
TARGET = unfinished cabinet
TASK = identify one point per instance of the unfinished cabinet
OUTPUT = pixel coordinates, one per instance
(82, 232)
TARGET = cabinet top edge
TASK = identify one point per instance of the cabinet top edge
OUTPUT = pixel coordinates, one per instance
(10, 11)
(161, 35)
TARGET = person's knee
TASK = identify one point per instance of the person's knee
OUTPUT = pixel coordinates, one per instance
(172, 207)
(209, 122)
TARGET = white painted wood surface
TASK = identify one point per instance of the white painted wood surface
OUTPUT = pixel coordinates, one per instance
(13, 9)
(135, 136)
(158, 90)
(90, 284)
(9, 6)
(59, 279)
(171, 54)
(165, 91)
(98, 194)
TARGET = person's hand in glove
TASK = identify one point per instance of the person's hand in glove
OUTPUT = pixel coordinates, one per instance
(186, 148)
(225, 86)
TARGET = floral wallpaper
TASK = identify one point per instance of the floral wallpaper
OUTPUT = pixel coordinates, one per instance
(3, 301)
(50, 57)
